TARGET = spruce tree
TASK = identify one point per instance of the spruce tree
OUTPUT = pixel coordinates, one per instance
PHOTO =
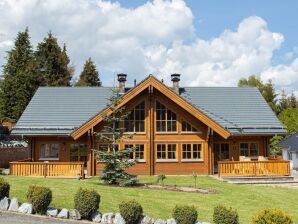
(89, 76)
(283, 102)
(117, 161)
(53, 62)
(20, 78)
(293, 101)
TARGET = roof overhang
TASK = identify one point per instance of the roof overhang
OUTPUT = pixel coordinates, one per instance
(152, 82)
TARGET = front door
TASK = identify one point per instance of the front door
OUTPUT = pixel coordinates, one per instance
(221, 153)
(78, 153)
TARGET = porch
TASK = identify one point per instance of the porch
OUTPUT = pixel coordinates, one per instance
(254, 168)
(47, 169)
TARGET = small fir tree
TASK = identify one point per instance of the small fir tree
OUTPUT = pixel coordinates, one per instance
(117, 161)
(89, 75)
(274, 148)
(283, 102)
(293, 101)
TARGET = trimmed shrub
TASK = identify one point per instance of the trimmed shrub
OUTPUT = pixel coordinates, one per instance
(224, 215)
(4, 188)
(131, 211)
(272, 216)
(86, 202)
(184, 214)
(40, 197)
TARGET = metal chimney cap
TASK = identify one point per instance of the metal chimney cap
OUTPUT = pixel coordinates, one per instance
(175, 77)
(121, 77)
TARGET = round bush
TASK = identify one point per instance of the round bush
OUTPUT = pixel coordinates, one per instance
(131, 211)
(224, 215)
(272, 216)
(40, 198)
(86, 202)
(4, 188)
(184, 214)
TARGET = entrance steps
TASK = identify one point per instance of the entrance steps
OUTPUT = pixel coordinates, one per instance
(261, 180)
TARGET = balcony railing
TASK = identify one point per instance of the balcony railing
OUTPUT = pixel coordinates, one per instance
(47, 169)
(254, 168)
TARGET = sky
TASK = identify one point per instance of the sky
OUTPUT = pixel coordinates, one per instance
(210, 43)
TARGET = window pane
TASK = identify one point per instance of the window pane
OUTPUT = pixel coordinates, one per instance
(83, 153)
(44, 151)
(54, 152)
(161, 151)
(171, 151)
(254, 149)
(139, 152)
(129, 146)
(244, 149)
(197, 151)
(186, 151)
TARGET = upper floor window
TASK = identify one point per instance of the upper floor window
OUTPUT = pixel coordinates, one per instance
(165, 119)
(166, 152)
(249, 149)
(191, 152)
(49, 151)
(187, 127)
(135, 122)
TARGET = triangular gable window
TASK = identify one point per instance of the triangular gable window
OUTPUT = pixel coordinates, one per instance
(187, 127)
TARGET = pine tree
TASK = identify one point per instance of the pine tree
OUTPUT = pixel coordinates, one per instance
(117, 161)
(89, 75)
(283, 102)
(20, 78)
(53, 62)
(292, 101)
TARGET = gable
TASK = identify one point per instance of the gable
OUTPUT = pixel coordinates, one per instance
(152, 84)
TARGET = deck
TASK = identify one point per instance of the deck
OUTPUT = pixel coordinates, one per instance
(254, 168)
(47, 169)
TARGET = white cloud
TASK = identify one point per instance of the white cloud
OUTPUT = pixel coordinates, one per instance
(157, 37)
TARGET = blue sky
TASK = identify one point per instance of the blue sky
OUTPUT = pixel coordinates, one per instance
(211, 43)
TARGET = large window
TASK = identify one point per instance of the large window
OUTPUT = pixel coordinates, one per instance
(136, 119)
(191, 152)
(249, 149)
(78, 152)
(138, 151)
(187, 127)
(166, 152)
(49, 151)
(166, 120)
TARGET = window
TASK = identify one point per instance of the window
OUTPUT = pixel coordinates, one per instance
(166, 152)
(105, 148)
(224, 151)
(165, 119)
(249, 149)
(78, 152)
(135, 122)
(138, 151)
(187, 127)
(49, 151)
(191, 152)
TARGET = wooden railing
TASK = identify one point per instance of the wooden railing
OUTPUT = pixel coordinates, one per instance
(254, 168)
(47, 169)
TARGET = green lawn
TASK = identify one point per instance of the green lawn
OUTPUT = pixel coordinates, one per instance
(159, 204)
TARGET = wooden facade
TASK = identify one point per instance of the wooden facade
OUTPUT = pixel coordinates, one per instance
(175, 152)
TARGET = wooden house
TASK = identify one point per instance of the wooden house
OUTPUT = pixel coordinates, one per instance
(177, 130)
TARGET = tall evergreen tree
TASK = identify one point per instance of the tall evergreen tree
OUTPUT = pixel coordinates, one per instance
(53, 62)
(283, 102)
(20, 78)
(89, 76)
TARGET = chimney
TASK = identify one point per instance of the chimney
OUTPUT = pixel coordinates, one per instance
(122, 80)
(175, 78)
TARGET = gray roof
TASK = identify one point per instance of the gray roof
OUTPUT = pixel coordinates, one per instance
(290, 143)
(240, 110)
(61, 110)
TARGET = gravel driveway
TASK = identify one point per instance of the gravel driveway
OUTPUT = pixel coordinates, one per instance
(14, 218)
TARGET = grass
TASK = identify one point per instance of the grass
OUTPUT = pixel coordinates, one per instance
(248, 200)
